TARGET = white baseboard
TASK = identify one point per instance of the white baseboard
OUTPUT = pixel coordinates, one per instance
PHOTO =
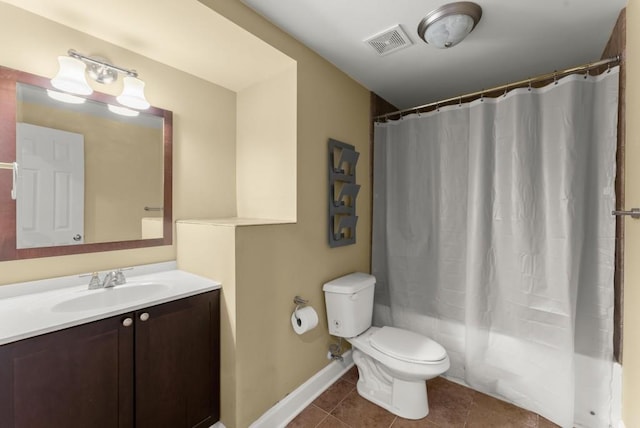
(291, 405)
(217, 425)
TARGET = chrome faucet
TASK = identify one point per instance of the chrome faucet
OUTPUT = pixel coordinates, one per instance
(120, 279)
(94, 282)
(109, 279)
(115, 277)
(112, 278)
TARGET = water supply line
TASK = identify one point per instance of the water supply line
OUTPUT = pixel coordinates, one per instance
(335, 351)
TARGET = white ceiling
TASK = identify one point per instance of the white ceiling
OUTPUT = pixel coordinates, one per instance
(515, 40)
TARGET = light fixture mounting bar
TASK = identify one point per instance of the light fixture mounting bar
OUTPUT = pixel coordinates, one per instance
(75, 54)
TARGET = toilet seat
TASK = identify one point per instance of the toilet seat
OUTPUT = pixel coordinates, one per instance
(407, 346)
(397, 367)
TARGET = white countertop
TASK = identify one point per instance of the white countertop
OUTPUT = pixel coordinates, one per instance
(32, 308)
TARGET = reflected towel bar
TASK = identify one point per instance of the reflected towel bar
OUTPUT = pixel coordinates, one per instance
(13, 166)
(634, 213)
(153, 208)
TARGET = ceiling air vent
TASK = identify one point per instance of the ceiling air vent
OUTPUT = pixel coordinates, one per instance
(388, 41)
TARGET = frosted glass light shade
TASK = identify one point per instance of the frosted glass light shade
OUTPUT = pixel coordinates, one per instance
(133, 94)
(71, 76)
(448, 31)
(448, 25)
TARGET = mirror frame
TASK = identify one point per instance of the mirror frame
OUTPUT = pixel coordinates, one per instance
(9, 78)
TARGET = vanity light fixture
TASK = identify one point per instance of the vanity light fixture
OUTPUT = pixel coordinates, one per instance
(71, 76)
(448, 25)
(133, 94)
(74, 68)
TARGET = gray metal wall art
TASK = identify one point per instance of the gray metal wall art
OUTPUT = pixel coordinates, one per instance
(343, 191)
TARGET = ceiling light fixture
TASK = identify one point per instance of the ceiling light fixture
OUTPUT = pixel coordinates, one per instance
(448, 25)
(71, 78)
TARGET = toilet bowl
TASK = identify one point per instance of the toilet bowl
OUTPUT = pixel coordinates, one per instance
(393, 363)
(393, 381)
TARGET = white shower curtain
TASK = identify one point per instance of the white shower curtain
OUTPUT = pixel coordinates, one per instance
(493, 235)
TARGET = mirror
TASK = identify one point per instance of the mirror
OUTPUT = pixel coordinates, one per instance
(118, 196)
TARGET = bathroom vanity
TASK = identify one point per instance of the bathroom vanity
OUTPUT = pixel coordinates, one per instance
(154, 363)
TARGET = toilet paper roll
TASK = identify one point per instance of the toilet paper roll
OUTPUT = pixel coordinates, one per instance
(304, 319)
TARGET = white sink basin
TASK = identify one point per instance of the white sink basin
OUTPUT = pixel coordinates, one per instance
(107, 297)
(38, 307)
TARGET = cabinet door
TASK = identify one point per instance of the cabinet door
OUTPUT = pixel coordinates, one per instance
(177, 363)
(75, 378)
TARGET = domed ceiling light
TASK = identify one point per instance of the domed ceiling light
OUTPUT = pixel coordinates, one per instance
(448, 25)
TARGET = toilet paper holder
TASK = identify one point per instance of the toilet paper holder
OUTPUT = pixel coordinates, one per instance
(299, 301)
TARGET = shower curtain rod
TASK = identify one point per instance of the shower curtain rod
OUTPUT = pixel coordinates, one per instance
(542, 77)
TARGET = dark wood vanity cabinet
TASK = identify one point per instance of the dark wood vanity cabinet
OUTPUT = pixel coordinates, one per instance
(177, 363)
(155, 367)
(79, 377)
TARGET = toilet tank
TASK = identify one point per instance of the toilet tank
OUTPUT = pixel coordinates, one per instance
(349, 302)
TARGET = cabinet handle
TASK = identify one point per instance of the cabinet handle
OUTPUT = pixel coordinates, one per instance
(144, 316)
(127, 322)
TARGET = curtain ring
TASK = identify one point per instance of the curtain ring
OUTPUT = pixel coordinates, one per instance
(608, 68)
(482, 97)
(505, 92)
(555, 78)
(438, 108)
(460, 102)
(529, 88)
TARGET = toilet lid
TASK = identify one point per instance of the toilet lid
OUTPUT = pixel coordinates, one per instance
(407, 345)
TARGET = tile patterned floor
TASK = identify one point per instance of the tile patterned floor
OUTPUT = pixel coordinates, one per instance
(450, 406)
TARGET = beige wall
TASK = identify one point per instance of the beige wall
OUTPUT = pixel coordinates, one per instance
(203, 134)
(631, 340)
(266, 148)
(274, 263)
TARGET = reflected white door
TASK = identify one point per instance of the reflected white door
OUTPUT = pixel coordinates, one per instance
(50, 205)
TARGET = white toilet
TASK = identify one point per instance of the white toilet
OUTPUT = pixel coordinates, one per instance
(393, 363)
